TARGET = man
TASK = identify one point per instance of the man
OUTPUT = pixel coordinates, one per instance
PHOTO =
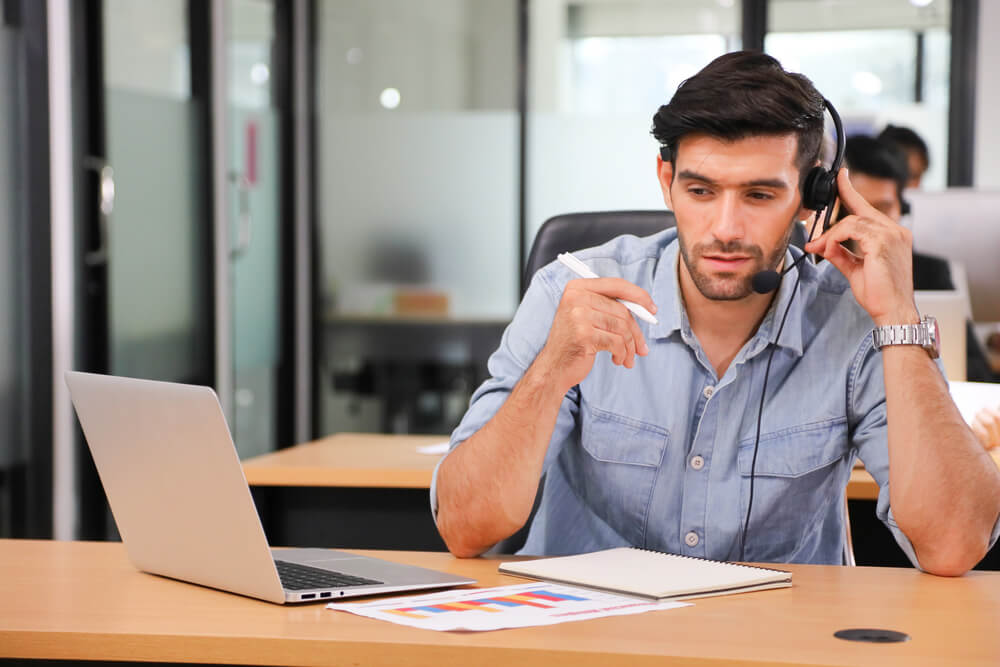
(918, 157)
(644, 434)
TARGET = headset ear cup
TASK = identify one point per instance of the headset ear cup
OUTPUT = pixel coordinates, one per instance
(817, 188)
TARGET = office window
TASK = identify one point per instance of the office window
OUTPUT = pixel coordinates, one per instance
(878, 61)
(598, 70)
(417, 189)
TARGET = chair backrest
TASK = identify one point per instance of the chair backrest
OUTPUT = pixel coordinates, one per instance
(576, 231)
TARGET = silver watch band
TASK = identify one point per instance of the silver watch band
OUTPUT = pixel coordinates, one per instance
(901, 334)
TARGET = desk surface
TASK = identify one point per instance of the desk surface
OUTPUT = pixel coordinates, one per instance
(349, 460)
(83, 600)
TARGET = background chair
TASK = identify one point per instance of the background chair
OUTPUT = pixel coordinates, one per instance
(575, 231)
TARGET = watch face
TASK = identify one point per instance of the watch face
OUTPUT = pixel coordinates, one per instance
(935, 346)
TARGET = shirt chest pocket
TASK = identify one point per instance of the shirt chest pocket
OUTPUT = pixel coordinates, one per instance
(797, 486)
(616, 467)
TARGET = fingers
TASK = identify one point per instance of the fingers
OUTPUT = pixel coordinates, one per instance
(845, 261)
(623, 316)
(599, 323)
(616, 288)
(986, 426)
(850, 198)
(872, 235)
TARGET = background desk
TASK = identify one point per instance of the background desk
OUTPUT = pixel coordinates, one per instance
(84, 601)
(351, 490)
(365, 491)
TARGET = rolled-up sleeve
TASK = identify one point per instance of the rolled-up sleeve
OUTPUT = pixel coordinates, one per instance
(866, 401)
(866, 398)
(521, 342)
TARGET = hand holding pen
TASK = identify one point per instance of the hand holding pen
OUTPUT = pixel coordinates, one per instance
(582, 270)
(594, 315)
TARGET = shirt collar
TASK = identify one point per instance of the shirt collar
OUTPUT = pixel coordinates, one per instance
(672, 317)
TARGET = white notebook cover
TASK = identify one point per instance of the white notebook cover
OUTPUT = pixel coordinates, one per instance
(650, 574)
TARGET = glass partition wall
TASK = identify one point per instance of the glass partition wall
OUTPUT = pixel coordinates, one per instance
(417, 194)
(254, 161)
(879, 61)
(426, 182)
(598, 71)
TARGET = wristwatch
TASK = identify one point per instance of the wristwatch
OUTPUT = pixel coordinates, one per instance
(924, 334)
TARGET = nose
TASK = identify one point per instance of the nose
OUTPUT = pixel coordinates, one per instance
(728, 225)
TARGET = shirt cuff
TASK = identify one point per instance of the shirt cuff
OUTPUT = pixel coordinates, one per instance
(904, 542)
(434, 479)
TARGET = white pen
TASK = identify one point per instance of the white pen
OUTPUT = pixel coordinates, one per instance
(582, 270)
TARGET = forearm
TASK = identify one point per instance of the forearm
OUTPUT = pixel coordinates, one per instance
(944, 488)
(486, 487)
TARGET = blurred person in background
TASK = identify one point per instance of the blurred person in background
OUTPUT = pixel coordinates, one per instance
(917, 157)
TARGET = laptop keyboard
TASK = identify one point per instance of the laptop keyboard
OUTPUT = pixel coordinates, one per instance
(296, 577)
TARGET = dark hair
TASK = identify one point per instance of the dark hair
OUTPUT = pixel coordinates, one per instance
(906, 139)
(880, 159)
(877, 158)
(744, 94)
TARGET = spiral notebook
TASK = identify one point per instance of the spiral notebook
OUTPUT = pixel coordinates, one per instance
(650, 574)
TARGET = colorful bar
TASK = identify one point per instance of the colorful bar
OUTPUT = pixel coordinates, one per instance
(554, 597)
(400, 612)
(435, 609)
(525, 601)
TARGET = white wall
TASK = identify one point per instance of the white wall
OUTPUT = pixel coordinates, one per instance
(987, 149)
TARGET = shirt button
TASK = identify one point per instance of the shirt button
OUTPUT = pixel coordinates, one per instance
(697, 462)
(691, 539)
(709, 390)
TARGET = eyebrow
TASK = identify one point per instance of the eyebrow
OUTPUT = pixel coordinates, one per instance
(777, 183)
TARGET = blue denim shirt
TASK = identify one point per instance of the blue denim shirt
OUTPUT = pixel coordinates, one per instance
(659, 456)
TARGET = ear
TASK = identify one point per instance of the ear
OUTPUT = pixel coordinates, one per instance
(806, 216)
(665, 174)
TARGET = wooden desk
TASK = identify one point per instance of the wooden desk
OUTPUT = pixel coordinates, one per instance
(349, 460)
(84, 601)
(353, 490)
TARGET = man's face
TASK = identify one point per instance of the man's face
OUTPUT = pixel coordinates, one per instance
(917, 167)
(734, 202)
(879, 192)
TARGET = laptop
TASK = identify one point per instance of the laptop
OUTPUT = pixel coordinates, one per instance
(183, 508)
(949, 308)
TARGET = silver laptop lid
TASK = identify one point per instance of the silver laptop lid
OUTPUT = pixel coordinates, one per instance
(180, 500)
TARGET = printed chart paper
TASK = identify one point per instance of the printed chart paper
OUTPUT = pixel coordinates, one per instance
(517, 606)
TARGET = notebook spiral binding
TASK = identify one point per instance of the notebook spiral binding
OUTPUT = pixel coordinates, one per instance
(707, 560)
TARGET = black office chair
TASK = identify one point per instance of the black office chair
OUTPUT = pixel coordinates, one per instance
(576, 231)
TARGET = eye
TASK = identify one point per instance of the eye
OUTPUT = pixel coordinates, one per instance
(760, 195)
(698, 191)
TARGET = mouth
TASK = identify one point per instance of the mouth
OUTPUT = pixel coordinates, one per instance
(726, 262)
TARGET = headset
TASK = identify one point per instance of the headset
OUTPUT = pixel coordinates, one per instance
(819, 192)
